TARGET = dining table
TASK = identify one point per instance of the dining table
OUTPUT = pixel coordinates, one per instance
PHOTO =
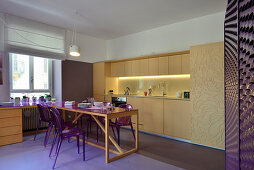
(8, 112)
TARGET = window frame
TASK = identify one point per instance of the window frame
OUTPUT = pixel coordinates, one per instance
(31, 77)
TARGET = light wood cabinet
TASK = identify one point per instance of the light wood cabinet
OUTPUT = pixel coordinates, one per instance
(163, 65)
(128, 68)
(185, 64)
(135, 68)
(174, 64)
(137, 103)
(118, 69)
(153, 66)
(98, 78)
(177, 118)
(152, 115)
(144, 67)
(10, 126)
(98, 98)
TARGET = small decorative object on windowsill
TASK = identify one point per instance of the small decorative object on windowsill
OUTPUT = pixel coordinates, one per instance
(41, 99)
(25, 99)
(12, 100)
(17, 100)
(34, 99)
(48, 97)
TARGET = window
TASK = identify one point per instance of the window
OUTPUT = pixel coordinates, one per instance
(29, 75)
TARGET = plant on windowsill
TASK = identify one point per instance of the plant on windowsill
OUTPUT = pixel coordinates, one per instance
(25, 99)
(11, 99)
(34, 99)
(41, 99)
(48, 97)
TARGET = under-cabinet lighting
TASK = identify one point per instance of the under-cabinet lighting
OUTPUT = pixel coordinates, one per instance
(161, 76)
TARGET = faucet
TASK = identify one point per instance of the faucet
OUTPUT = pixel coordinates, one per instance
(163, 92)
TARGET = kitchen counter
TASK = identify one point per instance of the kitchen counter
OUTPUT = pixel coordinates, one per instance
(139, 96)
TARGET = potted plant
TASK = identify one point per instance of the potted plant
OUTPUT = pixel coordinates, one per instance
(41, 99)
(48, 97)
(25, 99)
(12, 99)
(34, 99)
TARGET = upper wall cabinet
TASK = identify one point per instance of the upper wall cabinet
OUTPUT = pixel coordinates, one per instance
(163, 65)
(185, 64)
(128, 68)
(174, 64)
(144, 67)
(118, 69)
(153, 66)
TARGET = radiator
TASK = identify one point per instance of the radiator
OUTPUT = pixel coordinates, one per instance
(30, 119)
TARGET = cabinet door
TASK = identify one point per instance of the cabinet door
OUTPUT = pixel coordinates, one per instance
(163, 65)
(153, 115)
(143, 65)
(153, 66)
(186, 64)
(117, 69)
(128, 68)
(98, 78)
(135, 68)
(137, 103)
(177, 118)
(98, 98)
(174, 64)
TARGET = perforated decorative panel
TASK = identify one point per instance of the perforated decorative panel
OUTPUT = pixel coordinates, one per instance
(246, 72)
(231, 86)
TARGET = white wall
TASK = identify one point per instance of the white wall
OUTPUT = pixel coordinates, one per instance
(57, 79)
(174, 37)
(91, 49)
(5, 87)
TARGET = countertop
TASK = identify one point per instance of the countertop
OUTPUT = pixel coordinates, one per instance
(156, 97)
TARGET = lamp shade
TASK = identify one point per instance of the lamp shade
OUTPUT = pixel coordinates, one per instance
(74, 50)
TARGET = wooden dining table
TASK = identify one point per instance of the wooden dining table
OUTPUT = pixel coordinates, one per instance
(95, 113)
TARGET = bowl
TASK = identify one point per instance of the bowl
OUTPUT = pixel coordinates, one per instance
(98, 104)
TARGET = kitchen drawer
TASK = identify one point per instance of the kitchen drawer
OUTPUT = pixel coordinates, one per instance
(5, 113)
(13, 130)
(8, 122)
(10, 139)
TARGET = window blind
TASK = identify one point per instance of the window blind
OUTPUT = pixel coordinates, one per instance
(33, 38)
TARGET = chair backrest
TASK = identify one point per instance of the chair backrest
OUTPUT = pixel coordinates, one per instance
(44, 112)
(127, 119)
(56, 118)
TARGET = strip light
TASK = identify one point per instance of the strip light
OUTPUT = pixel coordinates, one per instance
(161, 76)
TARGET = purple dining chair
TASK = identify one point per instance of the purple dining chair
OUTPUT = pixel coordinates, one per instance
(44, 117)
(62, 133)
(123, 121)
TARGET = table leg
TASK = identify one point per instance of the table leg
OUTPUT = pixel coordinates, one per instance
(137, 137)
(107, 139)
(64, 115)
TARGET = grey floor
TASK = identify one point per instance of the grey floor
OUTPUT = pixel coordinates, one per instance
(31, 155)
(155, 153)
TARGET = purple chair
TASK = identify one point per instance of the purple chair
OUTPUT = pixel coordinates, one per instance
(44, 117)
(63, 134)
(123, 121)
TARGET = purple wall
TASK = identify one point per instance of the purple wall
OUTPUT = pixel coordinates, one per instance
(77, 80)
(239, 84)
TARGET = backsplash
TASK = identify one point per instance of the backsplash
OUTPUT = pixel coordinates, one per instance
(139, 85)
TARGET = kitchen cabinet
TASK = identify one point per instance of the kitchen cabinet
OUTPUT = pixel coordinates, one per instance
(185, 64)
(135, 68)
(98, 78)
(163, 65)
(174, 64)
(144, 67)
(128, 68)
(177, 118)
(153, 66)
(117, 69)
(137, 103)
(152, 115)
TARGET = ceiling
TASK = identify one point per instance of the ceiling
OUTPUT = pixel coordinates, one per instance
(108, 19)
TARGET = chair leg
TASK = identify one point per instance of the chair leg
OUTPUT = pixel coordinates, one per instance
(37, 129)
(50, 129)
(118, 134)
(84, 154)
(113, 132)
(78, 143)
(58, 149)
(46, 135)
(97, 131)
(57, 144)
(53, 144)
(133, 133)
